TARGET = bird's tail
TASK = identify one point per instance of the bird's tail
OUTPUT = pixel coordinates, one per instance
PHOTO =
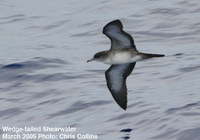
(147, 55)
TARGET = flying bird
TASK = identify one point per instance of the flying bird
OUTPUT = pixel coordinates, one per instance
(122, 57)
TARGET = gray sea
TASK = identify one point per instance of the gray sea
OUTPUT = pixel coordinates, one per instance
(45, 80)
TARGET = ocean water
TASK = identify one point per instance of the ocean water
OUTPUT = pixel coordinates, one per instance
(45, 80)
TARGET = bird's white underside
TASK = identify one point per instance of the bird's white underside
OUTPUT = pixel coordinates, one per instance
(121, 58)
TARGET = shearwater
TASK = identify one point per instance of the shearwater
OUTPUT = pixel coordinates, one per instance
(122, 57)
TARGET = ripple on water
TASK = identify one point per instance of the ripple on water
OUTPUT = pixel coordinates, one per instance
(77, 106)
(189, 134)
(180, 109)
(10, 112)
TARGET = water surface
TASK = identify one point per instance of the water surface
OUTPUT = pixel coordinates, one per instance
(45, 80)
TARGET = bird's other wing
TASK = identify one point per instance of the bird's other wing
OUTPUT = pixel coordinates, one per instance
(116, 82)
(119, 38)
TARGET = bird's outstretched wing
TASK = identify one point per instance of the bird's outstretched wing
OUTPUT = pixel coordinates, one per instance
(119, 38)
(116, 81)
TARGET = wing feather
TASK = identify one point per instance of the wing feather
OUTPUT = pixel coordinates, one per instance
(116, 82)
(119, 38)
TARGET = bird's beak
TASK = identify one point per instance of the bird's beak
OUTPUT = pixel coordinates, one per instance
(90, 60)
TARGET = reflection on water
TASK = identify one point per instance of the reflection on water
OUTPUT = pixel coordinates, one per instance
(126, 132)
(45, 80)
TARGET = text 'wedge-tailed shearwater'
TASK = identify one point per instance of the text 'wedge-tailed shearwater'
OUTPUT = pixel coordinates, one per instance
(122, 57)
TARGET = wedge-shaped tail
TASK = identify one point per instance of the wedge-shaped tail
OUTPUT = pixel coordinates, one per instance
(148, 55)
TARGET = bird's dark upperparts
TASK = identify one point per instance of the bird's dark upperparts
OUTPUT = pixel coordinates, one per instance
(122, 57)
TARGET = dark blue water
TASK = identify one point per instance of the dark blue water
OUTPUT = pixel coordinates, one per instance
(45, 80)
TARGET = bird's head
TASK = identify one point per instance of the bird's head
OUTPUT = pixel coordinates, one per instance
(100, 56)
